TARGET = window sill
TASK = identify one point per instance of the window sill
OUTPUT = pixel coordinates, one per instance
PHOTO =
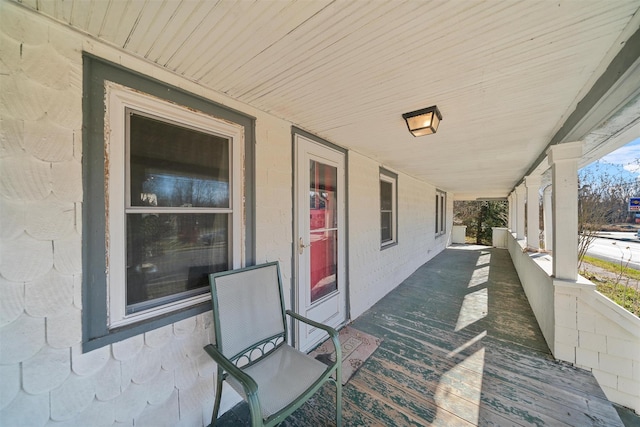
(388, 245)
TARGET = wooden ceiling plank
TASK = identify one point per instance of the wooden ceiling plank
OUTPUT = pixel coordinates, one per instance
(109, 28)
(191, 16)
(301, 43)
(366, 57)
(151, 25)
(193, 45)
(166, 41)
(227, 36)
(255, 45)
(98, 14)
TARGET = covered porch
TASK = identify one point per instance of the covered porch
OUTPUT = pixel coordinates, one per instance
(528, 91)
(461, 347)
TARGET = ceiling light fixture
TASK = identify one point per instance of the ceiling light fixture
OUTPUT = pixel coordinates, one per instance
(423, 122)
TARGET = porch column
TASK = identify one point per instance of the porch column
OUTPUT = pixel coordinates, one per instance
(532, 183)
(547, 224)
(510, 211)
(520, 200)
(563, 159)
(513, 208)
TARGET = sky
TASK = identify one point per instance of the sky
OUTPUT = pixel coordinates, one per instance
(627, 156)
(625, 161)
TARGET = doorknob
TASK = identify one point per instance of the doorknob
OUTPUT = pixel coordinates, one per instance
(301, 246)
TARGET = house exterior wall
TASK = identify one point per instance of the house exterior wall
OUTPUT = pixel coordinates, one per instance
(161, 377)
(374, 272)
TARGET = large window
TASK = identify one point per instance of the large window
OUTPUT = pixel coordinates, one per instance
(388, 208)
(168, 196)
(173, 202)
(441, 209)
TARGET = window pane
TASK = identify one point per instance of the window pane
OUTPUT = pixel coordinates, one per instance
(323, 197)
(386, 196)
(170, 255)
(324, 263)
(174, 166)
(385, 226)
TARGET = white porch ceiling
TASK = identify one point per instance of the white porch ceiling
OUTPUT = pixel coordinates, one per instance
(505, 74)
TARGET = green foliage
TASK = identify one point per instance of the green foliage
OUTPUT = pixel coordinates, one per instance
(480, 217)
(613, 267)
(624, 296)
(621, 285)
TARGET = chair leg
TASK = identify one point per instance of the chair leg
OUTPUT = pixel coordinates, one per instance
(338, 404)
(339, 398)
(216, 405)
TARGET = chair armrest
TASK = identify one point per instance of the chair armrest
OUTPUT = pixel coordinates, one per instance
(332, 332)
(249, 385)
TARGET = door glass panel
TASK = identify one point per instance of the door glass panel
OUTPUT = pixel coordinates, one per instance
(323, 223)
(324, 263)
(323, 196)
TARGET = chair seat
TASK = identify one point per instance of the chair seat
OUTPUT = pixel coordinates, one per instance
(282, 377)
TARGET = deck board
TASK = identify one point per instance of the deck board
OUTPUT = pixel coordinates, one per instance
(461, 348)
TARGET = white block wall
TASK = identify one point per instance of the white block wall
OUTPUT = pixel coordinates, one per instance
(162, 377)
(374, 272)
(583, 327)
(596, 334)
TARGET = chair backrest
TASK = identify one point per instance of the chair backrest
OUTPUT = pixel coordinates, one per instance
(248, 308)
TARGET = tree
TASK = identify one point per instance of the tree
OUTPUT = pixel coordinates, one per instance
(480, 217)
(603, 199)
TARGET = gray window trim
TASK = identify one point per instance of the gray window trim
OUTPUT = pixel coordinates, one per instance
(441, 213)
(393, 176)
(95, 332)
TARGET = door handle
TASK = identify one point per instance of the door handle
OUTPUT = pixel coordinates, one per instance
(301, 246)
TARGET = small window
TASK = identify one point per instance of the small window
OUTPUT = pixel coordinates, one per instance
(388, 208)
(441, 209)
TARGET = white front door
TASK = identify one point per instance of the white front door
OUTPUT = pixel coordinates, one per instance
(320, 240)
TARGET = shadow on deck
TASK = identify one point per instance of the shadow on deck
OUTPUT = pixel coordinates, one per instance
(461, 348)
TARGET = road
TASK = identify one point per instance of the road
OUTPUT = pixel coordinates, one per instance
(616, 246)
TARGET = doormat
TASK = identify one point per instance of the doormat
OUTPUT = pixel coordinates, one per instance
(356, 349)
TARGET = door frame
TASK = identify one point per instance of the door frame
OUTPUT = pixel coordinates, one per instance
(295, 132)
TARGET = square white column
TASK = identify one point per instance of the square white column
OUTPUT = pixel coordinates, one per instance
(511, 216)
(533, 211)
(563, 159)
(521, 193)
(547, 218)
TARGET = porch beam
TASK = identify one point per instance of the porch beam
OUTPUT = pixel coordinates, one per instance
(563, 160)
(532, 183)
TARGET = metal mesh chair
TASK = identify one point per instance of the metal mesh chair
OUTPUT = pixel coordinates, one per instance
(251, 347)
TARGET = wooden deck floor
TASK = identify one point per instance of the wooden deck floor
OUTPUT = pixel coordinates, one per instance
(461, 348)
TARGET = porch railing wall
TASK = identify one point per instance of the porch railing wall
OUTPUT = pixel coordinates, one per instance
(582, 326)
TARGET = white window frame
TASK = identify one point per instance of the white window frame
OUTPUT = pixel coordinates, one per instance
(386, 177)
(118, 99)
(441, 213)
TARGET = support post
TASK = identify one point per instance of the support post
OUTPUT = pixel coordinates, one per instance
(520, 201)
(511, 216)
(547, 224)
(532, 183)
(563, 159)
